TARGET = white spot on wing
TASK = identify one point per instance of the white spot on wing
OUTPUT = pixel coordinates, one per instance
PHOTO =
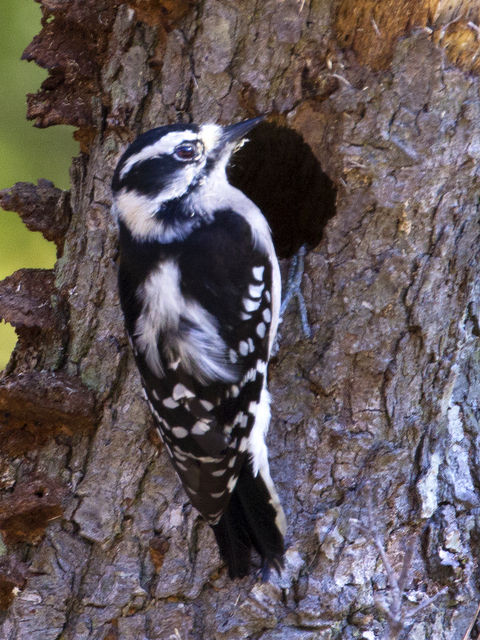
(179, 432)
(267, 315)
(249, 376)
(255, 290)
(241, 419)
(261, 330)
(170, 403)
(243, 348)
(258, 272)
(181, 391)
(250, 305)
(199, 428)
(242, 445)
(261, 366)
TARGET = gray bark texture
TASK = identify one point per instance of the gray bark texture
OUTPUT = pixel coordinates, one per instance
(374, 442)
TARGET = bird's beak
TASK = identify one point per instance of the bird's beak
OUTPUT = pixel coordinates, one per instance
(237, 131)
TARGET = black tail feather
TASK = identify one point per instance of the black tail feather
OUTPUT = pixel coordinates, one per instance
(250, 522)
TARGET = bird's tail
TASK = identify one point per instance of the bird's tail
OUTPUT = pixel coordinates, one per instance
(254, 519)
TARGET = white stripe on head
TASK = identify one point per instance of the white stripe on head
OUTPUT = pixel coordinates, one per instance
(165, 145)
(209, 134)
(139, 211)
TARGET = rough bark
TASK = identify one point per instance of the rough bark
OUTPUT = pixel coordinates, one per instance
(374, 443)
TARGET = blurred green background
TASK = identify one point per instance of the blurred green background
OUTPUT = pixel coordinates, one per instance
(26, 153)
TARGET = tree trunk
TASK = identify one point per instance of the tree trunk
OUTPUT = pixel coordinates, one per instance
(374, 441)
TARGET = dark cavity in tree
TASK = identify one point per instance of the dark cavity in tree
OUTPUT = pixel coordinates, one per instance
(277, 169)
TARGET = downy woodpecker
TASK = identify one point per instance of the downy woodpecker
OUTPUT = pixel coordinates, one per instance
(200, 291)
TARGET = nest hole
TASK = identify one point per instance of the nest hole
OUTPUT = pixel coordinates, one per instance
(278, 171)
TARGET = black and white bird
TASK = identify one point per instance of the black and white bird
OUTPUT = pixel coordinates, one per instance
(200, 291)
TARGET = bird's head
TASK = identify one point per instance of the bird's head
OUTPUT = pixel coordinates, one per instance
(156, 178)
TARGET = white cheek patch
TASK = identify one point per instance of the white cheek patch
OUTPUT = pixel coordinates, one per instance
(139, 212)
(258, 273)
(136, 211)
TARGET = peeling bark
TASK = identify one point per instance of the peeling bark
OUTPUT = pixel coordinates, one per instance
(37, 405)
(374, 441)
(25, 513)
(25, 297)
(42, 208)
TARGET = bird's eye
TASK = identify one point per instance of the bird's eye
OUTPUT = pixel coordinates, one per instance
(187, 151)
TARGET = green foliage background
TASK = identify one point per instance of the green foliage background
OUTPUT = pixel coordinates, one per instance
(26, 153)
